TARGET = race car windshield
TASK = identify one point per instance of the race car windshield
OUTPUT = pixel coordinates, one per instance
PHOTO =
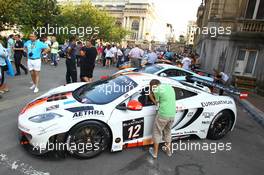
(151, 69)
(104, 91)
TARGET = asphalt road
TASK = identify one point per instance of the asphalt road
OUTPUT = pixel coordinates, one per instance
(245, 157)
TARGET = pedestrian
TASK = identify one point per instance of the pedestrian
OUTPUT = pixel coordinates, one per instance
(100, 50)
(135, 56)
(18, 54)
(78, 49)
(46, 56)
(3, 67)
(109, 55)
(87, 61)
(126, 53)
(54, 51)
(120, 56)
(10, 46)
(114, 51)
(152, 57)
(220, 78)
(71, 72)
(163, 96)
(34, 50)
(186, 63)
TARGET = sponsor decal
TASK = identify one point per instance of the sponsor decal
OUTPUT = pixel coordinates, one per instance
(52, 107)
(190, 114)
(88, 112)
(133, 129)
(215, 103)
(190, 132)
(69, 102)
(206, 122)
(207, 114)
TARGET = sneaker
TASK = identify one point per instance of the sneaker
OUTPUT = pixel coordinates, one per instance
(32, 87)
(167, 150)
(36, 90)
(52, 64)
(151, 152)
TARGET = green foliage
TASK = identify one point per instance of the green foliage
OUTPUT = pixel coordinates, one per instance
(8, 13)
(85, 15)
(31, 14)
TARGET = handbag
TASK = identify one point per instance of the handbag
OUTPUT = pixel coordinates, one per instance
(10, 70)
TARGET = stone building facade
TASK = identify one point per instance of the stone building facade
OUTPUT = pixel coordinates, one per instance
(240, 51)
(136, 16)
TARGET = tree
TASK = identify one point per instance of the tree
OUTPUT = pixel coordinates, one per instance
(37, 13)
(8, 13)
(87, 16)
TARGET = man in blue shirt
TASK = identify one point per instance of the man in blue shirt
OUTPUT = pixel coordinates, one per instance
(152, 57)
(34, 49)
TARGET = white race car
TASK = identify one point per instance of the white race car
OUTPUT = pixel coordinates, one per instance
(166, 70)
(117, 113)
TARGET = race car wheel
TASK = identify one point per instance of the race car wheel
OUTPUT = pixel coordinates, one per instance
(88, 139)
(220, 125)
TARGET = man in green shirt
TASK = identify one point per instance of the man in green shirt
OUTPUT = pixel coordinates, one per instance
(163, 96)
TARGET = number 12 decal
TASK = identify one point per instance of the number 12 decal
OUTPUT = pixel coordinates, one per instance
(133, 129)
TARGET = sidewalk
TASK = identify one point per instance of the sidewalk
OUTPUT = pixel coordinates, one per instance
(256, 100)
(254, 104)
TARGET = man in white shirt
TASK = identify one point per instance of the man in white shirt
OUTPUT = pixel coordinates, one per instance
(186, 62)
(135, 56)
(114, 51)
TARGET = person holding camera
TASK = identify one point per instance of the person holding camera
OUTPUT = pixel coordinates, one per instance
(34, 49)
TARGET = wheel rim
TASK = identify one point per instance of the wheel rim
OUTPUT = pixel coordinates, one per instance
(89, 141)
(221, 126)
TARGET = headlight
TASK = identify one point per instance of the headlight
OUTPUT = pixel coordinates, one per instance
(44, 117)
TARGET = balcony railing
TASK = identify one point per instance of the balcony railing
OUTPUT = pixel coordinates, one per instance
(252, 26)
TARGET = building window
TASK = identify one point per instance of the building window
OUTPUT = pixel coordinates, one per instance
(255, 9)
(246, 61)
(135, 25)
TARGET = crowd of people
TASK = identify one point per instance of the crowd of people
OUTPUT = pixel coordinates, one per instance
(82, 54)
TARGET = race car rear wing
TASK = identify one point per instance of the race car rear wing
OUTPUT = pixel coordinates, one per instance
(231, 90)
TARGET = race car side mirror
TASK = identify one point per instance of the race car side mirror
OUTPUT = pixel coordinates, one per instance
(134, 105)
(121, 106)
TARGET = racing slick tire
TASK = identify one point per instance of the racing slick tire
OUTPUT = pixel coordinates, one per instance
(88, 139)
(220, 125)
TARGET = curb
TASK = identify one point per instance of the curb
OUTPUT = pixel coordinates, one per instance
(257, 114)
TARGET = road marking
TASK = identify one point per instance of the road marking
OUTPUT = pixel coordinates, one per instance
(19, 166)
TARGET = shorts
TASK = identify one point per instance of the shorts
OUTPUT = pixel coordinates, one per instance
(162, 129)
(108, 58)
(86, 71)
(34, 64)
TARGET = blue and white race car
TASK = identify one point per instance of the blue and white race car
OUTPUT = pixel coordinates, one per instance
(117, 113)
(166, 70)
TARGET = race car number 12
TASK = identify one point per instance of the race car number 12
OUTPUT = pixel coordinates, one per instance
(133, 129)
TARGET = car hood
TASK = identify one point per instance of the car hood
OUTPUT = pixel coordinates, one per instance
(61, 89)
(54, 98)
